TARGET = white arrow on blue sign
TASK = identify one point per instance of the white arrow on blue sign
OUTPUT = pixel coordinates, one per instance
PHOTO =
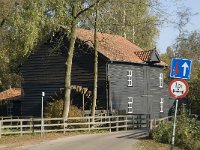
(180, 68)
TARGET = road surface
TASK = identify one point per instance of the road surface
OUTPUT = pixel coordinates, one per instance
(124, 140)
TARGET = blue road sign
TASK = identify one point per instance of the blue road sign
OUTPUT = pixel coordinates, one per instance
(180, 68)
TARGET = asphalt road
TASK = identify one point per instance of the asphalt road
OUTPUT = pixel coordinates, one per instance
(124, 140)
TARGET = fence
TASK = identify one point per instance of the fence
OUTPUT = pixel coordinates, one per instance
(36, 125)
(155, 122)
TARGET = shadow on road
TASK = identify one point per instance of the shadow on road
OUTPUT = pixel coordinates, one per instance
(136, 134)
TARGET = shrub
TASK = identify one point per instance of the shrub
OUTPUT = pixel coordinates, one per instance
(54, 110)
(187, 133)
(196, 145)
(162, 132)
(75, 112)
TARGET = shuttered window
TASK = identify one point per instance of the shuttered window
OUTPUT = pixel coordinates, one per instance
(130, 104)
(161, 80)
(130, 77)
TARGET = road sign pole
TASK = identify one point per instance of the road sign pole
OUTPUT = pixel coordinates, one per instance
(174, 126)
(178, 88)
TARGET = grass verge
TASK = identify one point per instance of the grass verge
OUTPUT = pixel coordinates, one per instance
(147, 144)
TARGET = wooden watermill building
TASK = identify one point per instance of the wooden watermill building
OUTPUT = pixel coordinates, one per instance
(130, 80)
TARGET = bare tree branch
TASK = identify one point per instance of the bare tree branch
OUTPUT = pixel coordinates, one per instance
(98, 3)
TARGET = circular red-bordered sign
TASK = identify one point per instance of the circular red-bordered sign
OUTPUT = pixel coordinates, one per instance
(178, 88)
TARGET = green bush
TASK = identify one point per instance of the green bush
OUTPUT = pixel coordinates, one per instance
(54, 110)
(187, 133)
(162, 133)
(196, 145)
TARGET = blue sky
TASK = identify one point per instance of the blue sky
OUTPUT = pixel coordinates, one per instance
(168, 32)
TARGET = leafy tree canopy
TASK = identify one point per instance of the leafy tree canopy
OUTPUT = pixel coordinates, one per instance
(132, 19)
(25, 24)
(188, 47)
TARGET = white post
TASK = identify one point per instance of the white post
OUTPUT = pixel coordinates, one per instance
(21, 128)
(174, 126)
(64, 125)
(42, 119)
(83, 105)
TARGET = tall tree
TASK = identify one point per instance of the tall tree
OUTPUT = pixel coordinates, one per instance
(95, 64)
(187, 45)
(189, 48)
(24, 25)
(8, 76)
(33, 20)
(75, 15)
(131, 19)
(72, 40)
(184, 17)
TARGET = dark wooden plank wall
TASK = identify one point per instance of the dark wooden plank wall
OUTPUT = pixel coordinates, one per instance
(158, 93)
(45, 71)
(145, 91)
(16, 110)
(83, 74)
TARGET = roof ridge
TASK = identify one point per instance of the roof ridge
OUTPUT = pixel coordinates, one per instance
(115, 47)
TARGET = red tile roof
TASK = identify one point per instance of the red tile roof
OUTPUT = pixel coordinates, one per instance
(11, 94)
(144, 55)
(114, 47)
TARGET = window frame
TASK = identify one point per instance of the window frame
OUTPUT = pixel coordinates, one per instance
(161, 80)
(161, 105)
(130, 105)
(130, 78)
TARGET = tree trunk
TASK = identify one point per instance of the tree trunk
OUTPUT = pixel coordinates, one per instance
(124, 22)
(95, 66)
(133, 33)
(69, 62)
(72, 39)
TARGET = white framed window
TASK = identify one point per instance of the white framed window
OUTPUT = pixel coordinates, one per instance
(161, 104)
(130, 104)
(130, 77)
(161, 80)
